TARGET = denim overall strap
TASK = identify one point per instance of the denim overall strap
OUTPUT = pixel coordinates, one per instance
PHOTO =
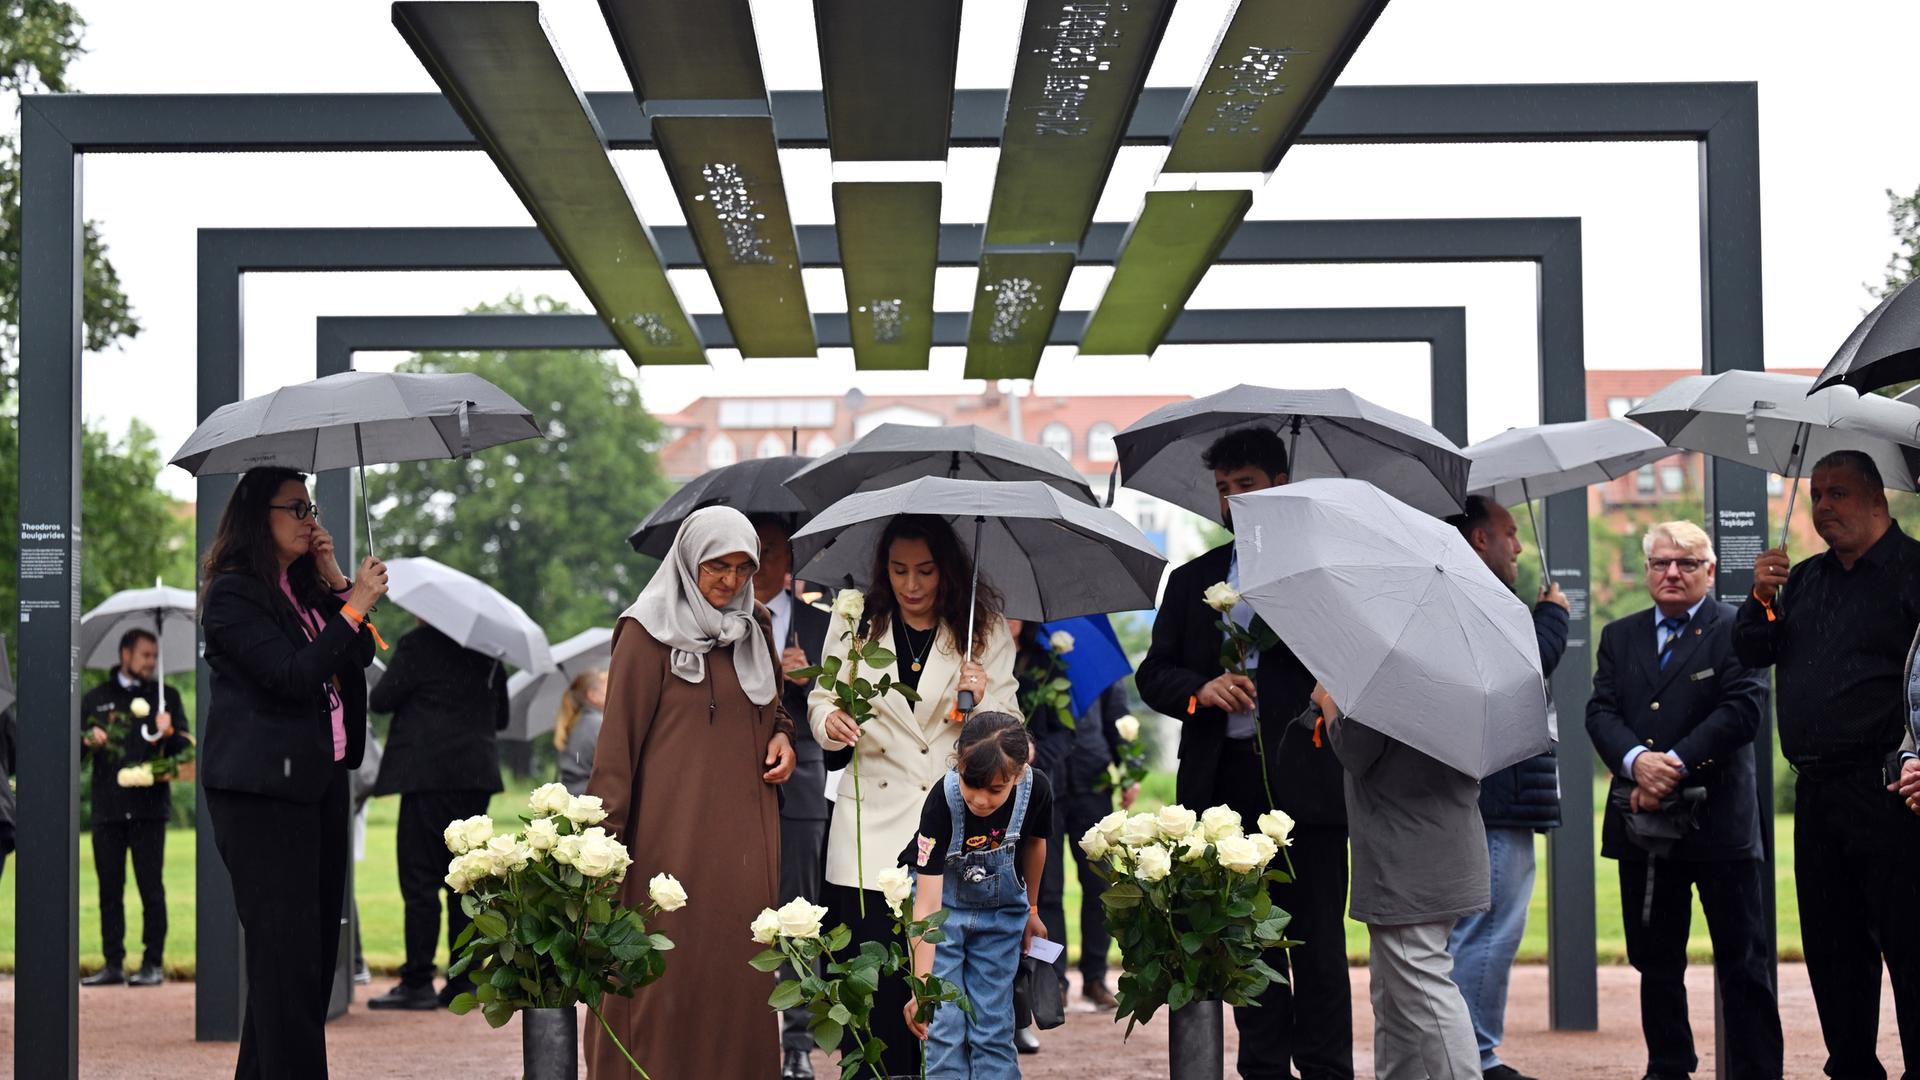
(1020, 806)
(957, 809)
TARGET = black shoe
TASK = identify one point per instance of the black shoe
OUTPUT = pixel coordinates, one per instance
(1025, 1041)
(420, 998)
(1666, 1076)
(454, 989)
(148, 975)
(111, 975)
(796, 1065)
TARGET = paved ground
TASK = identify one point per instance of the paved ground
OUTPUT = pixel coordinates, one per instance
(132, 1034)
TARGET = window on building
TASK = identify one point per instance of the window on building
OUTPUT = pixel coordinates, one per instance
(1618, 407)
(1644, 482)
(1058, 439)
(721, 452)
(1673, 479)
(776, 413)
(772, 445)
(1100, 442)
(820, 445)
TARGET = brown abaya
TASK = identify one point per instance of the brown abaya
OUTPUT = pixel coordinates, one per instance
(678, 768)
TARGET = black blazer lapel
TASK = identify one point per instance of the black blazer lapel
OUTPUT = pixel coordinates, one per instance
(1641, 638)
(1691, 635)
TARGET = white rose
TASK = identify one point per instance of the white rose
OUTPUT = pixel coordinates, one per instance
(1267, 848)
(1221, 597)
(667, 892)
(468, 833)
(1194, 847)
(1128, 727)
(848, 604)
(136, 776)
(1176, 822)
(897, 885)
(549, 799)
(1060, 642)
(508, 854)
(567, 850)
(1153, 863)
(456, 878)
(600, 855)
(1277, 826)
(585, 810)
(1140, 829)
(1220, 822)
(1110, 825)
(1094, 843)
(1237, 853)
(467, 869)
(542, 834)
(140, 709)
(799, 919)
(766, 926)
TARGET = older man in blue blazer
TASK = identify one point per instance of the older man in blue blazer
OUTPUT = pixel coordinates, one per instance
(1673, 716)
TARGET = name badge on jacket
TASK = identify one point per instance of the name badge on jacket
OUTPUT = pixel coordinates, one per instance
(1701, 676)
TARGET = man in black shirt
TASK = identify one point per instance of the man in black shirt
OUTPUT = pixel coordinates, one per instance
(1836, 630)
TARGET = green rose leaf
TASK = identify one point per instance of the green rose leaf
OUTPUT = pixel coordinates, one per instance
(785, 996)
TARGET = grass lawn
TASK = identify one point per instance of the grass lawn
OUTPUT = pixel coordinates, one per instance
(378, 890)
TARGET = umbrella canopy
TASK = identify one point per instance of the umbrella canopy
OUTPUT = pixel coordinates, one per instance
(1329, 433)
(357, 418)
(1051, 556)
(751, 487)
(893, 454)
(1522, 464)
(1770, 421)
(1884, 349)
(470, 611)
(166, 613)
(533, 698)
(1398, 618)
(1096, 662)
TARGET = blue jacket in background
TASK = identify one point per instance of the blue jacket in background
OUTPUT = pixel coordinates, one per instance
(1526, 795)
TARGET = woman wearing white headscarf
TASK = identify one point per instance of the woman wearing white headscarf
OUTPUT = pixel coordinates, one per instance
(693, 742)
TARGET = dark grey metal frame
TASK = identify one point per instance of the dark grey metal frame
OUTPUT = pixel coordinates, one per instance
(56, 130)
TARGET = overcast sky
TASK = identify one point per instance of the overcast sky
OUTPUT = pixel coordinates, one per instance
(1831, 142)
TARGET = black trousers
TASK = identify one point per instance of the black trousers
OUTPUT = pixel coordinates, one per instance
(1731, 896)
(147, 842)
(420, 849)
(1857, 870)
(288, 862)
(1309, 1022)
(1074, 814)
(803, 865)
(902, 1054)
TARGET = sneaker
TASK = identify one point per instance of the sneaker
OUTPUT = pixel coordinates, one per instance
(148, 975)
(418, 998)
(111, 975)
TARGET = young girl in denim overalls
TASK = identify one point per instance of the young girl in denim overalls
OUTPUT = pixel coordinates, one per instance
(989, 884)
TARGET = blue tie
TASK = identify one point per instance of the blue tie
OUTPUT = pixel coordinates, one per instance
(1672, 625)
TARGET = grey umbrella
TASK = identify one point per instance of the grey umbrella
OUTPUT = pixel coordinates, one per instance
(751, 487)
(1771, 421)
(1882, 350)
(357, 418)
(470, 611)
(1329, 433)
(533, 697)
(1050, 556)
(893, 454)
(1524, 464)
(1398, 618)
(166, 613)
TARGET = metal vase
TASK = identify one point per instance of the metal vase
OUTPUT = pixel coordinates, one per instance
(1196, 1049)
(550, 1044)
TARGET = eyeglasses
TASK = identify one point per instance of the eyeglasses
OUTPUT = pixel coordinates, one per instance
(299, 508)
(720, 569)
(1687, 566)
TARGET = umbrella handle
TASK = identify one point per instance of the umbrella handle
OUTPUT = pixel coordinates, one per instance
(1795, 460)
(965, 699)
(1539, 538)
(361, 454)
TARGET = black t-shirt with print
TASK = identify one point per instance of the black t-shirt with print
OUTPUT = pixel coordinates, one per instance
(927, 852)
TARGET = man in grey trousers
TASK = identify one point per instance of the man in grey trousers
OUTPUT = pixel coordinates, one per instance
(1419, 865)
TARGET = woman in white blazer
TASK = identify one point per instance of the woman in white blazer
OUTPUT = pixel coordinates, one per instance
(916, 607)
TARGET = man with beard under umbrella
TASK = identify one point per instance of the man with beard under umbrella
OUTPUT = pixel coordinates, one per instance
(799, 631)
(447, 704)
(1673, 716)
(131, 820)
(1310, 1021)
(1515, 802)
(1836, 630)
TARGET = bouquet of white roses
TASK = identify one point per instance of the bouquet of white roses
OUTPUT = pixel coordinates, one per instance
(855, 696)
(1187, 900)
(1052, 690)
(1239, 644)
(547, 930)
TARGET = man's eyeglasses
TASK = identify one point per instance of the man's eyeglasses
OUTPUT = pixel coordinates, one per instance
(1687, 566)
(720, 569)
(299, 508)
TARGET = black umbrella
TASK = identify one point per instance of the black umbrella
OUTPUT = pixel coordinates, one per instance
(1884, 349)
(751, 487)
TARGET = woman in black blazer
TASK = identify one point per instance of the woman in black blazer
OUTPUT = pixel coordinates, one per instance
(286, 723)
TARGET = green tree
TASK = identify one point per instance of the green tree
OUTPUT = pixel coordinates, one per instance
(1903, 212)
(544, 521)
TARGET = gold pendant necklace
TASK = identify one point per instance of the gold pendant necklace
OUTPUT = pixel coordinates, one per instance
(935, 629)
